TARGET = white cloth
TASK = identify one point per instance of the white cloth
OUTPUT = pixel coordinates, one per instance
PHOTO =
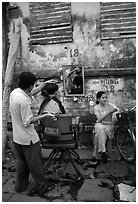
(52, 107)
(21, 114)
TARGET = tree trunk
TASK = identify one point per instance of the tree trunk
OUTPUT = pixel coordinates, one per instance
(5, 108)
(12, 56)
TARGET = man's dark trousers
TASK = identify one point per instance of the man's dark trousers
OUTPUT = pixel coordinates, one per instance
(29, 160)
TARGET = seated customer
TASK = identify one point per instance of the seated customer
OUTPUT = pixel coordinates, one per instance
(51, 103)
(104, 127)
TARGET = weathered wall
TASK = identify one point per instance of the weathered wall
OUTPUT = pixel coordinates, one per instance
(86, 49)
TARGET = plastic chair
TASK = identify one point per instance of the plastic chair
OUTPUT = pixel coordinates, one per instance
(60, 136)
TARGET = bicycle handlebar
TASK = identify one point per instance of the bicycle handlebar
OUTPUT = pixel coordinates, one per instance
(129, 110)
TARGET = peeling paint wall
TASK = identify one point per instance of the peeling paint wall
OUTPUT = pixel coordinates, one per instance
(86, 49)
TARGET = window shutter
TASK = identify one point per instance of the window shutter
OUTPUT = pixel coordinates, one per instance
(118, 20)
(13, 12)
(50, 22)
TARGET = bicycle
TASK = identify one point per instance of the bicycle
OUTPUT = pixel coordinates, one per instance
(125, 134)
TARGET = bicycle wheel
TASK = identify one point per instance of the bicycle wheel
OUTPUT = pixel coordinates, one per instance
(126, 144)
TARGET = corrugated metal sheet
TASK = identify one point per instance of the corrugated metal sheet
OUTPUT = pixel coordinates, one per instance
(50, 22)
(118, 20)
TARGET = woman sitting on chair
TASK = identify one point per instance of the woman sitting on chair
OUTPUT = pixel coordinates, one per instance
(51, 103)
(104, 126)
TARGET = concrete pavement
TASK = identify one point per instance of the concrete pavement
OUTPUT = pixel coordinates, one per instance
(99, 184)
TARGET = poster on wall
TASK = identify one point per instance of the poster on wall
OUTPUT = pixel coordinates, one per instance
(73, 80)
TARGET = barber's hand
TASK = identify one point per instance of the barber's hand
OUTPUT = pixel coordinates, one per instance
(50, 81)
(74, 70)
(77, 69)
(51, 115)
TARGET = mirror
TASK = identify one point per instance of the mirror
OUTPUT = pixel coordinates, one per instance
(73, 80)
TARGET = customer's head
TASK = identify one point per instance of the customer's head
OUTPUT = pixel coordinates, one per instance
(50, 89)
(101, 96)
(26, 80)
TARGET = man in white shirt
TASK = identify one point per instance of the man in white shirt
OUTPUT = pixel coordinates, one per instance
(25, 138)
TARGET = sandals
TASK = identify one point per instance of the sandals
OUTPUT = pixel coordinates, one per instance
(95, 162)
